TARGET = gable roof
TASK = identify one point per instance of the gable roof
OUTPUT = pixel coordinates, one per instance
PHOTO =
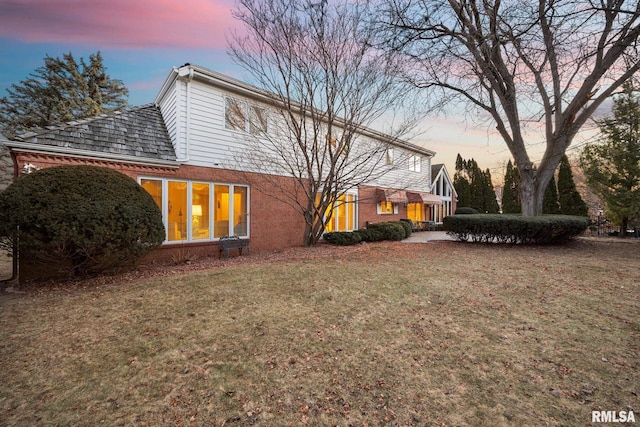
(435, 170)
(441, 169)
(135, 134)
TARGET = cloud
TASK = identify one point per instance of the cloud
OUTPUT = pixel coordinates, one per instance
(127, 24)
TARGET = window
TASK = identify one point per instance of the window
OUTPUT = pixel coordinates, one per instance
(240, 214)
(257, 120)
(244, 117)
(386, 208)
(235, 114)
(415, 163)
(200, 210)
(178, 219)
(390, 156)
(153, 187)
(194, 210)
(415, 211)
(344, 214)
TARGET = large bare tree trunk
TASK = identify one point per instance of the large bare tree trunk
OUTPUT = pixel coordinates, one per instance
(537, 67)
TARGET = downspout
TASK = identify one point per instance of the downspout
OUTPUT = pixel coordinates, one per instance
(187, 111)
(15, 273)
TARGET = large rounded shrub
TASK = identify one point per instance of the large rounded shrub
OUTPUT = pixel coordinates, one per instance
(79, 219)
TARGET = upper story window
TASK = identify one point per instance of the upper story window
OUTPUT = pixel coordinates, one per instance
(390, 156)
(242, 116)
(415, 163)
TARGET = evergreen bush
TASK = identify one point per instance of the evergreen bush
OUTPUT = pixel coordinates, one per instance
(392, 230)
(343, 238)
(79, 219)
(504, 228)
(407, 227)
(371, 235)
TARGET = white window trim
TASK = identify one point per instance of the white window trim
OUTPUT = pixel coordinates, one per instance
(379, 209)
(212, 184)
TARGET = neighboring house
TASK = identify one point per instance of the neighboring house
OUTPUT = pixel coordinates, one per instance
(184, 150)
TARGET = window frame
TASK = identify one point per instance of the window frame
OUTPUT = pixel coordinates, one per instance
(189, 226)
(415, 163)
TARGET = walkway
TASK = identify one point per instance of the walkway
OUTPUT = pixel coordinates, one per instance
(428, 236)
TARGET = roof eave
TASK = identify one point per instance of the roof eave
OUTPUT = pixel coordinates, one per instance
(29, 147)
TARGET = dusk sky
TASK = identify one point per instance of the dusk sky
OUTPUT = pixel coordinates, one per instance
(141, 40)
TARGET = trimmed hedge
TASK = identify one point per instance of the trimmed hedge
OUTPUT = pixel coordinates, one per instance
(370, 235)
(391, 230)
(343, 238)
(505, 228)
(408, 226)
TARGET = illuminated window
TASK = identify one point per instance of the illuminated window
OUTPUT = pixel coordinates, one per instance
(415, 211)
(221, 210)
(386, 207)
(177, 211)
(200, 210)
(343, 216)
(196, 211)
(240, 213)
(153, 187)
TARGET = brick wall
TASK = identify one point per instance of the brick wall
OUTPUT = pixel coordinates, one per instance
(274, 225)
(368, 208)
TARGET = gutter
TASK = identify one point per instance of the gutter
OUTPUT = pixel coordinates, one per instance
(31, 147)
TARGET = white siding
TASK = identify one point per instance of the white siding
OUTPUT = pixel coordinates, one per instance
(194, 112)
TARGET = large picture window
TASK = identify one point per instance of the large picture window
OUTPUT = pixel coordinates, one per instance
(195, 210)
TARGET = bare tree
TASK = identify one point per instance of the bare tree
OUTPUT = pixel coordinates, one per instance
(324, 84)
(546, 62)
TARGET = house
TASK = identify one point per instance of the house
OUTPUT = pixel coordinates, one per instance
(186, 150)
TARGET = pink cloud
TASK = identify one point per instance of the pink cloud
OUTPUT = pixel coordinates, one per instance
(119, 23)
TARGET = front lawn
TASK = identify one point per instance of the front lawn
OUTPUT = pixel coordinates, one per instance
(445, 334)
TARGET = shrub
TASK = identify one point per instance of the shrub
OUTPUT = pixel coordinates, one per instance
(371, 235)
(465, 211)
(515, 228)
(79, 219)
(343, 238)
(392, 230)
(408, 226)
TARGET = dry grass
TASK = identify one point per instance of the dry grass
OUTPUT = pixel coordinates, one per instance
(388, 334)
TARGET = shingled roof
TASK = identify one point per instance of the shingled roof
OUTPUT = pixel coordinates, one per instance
(138, 131)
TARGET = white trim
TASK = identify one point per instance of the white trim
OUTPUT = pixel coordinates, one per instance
(29, 147)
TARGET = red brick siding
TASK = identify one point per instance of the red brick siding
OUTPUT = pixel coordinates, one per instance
(368, 208)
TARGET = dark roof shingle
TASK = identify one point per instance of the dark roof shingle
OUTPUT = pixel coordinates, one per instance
(138, 131)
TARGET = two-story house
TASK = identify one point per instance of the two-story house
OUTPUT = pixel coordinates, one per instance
(191, 151)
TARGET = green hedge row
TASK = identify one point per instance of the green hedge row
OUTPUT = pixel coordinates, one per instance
(392, 230)
(505, 228)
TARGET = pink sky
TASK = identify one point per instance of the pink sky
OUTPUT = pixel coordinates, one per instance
(119, 23)
(141, 40)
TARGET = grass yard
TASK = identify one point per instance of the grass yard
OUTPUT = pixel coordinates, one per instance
(388, 334)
